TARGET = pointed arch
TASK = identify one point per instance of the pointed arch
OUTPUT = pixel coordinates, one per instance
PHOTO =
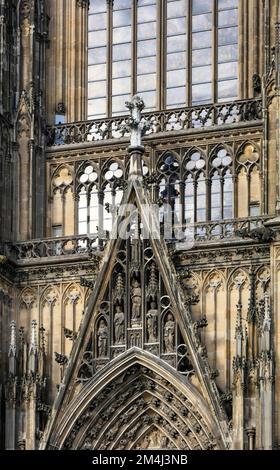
(62, 201)
(71, 313)
(136, 387)
(221, 169)
(249, 180)
(214, 308)
(192, 150)
(242, 147)
(221, 146)
(165, 154)
(238, 291)
(57, 170)
(50, 320)
(28, 308)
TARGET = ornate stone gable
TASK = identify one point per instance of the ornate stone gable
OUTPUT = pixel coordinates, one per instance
(137, 304)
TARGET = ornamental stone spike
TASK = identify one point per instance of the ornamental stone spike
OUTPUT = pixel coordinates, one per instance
(12, 346)
(33, 349)
(137, 125)
(239, 330)
(12, 349)
(33, 340)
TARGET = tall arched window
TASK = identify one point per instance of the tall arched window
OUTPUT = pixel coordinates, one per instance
(248, 182)
(112, 194)
(98, 198)
(216, 197)
(173, 53)
(147, 51)
(189, 199)
(83, 212)
(201, 198)
(169, 190)
(195, 188)
(221, 185)
(88, 202)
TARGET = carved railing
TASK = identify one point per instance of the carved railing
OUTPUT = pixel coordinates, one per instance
(161, 121)
(76, 246)
(52, 248)
(201, 232)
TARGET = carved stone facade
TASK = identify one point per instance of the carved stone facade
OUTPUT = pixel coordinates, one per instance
(167, 337)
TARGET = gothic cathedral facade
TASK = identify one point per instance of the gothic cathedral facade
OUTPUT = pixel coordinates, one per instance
(140, 224)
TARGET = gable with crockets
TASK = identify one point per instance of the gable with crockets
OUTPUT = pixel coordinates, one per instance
(138, 302)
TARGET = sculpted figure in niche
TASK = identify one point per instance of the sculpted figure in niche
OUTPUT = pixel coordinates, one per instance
(102, 341)
(169, 334)
(136, 301)
(152, 323)
(119, 325)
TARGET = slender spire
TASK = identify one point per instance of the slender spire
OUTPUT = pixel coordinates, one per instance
(252, 318)
(42, 351)
(239, 330)
(12, 346)
(252, 310)
(266, 324)
(33, 341)
(33, 349)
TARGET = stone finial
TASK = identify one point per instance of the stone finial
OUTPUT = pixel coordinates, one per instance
(136, 124)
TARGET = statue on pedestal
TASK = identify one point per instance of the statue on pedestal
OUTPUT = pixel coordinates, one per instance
(119, 325)
(169, 334)
(152, 319)
(136, 298)
(102, 342)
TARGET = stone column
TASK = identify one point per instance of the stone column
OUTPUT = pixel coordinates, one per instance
(277, 108)
(135, 169)
(67, 59)
(251, 432)
(251, 14)
(29, 128)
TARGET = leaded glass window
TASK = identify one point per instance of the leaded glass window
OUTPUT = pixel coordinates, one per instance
(173, 53)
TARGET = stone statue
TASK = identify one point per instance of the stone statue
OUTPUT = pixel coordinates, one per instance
(102, 342)
(119, 325)
(152, 315)
(136, 298)
(169, 334)
(135, 123)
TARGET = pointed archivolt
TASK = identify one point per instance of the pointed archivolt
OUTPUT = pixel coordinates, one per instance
(136, 401)
(137, 315)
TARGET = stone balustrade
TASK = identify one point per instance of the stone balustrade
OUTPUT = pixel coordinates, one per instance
(180, 119)
(187, 237)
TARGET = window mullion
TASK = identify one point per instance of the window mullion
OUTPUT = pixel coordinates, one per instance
(222, 196)
(188, 52)
(195, 183)
(162, 51)
(88, 210)
(215, 51)
(208, 183)
(109, 55)
(134, 48)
